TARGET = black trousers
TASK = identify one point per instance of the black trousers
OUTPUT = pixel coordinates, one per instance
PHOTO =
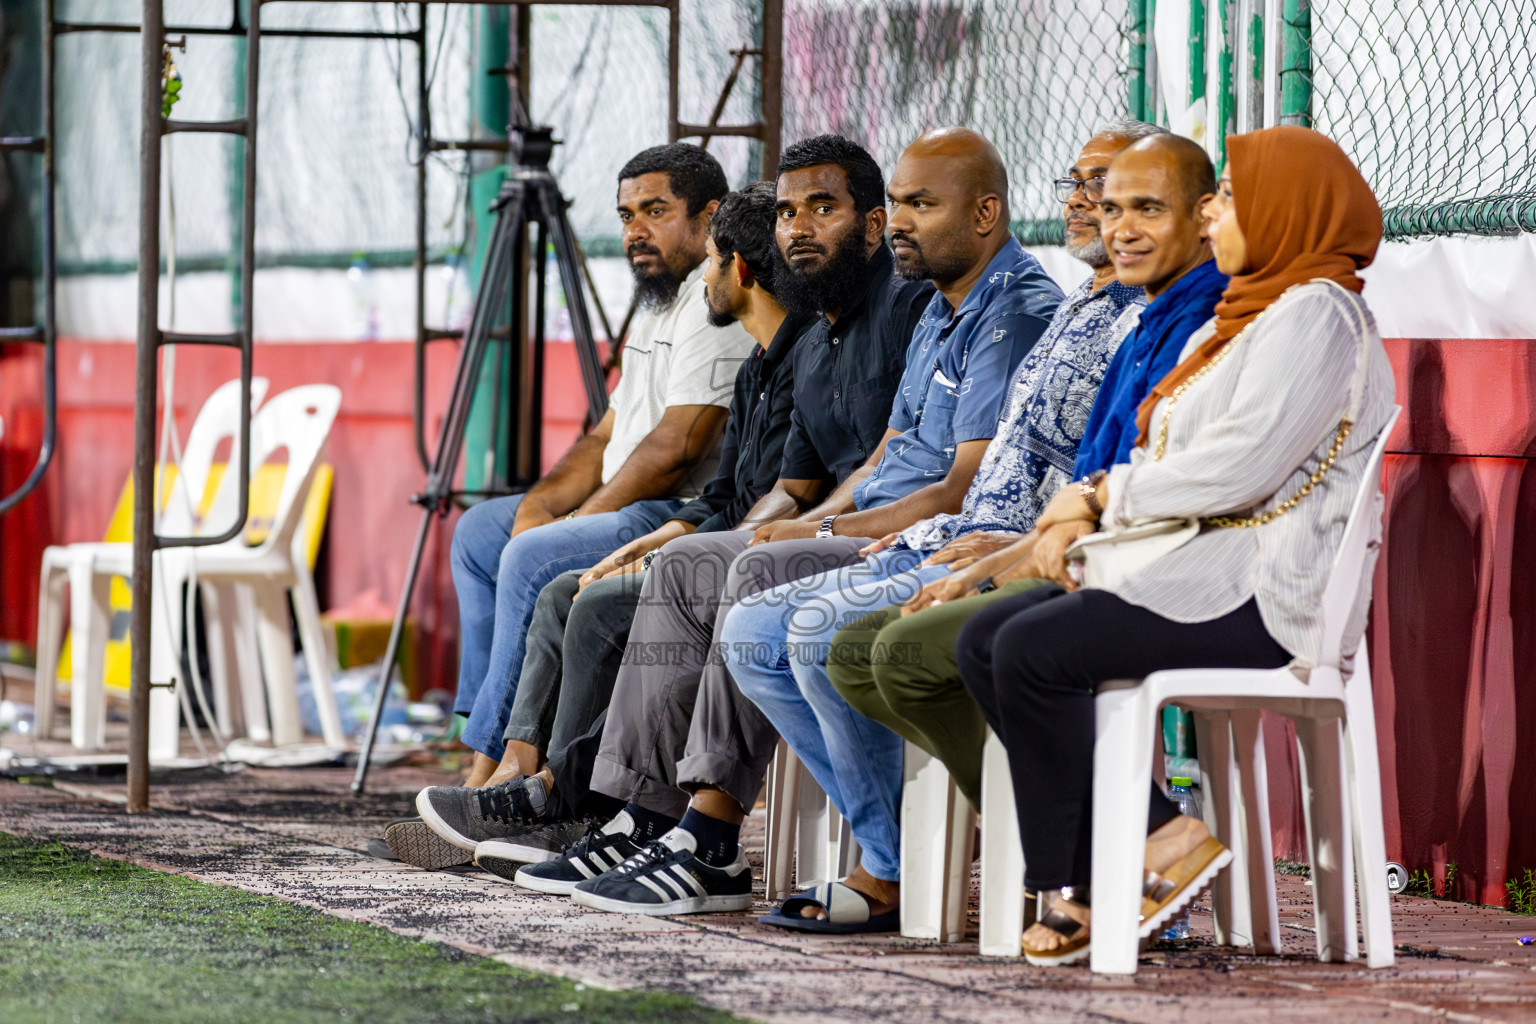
(1033, 663)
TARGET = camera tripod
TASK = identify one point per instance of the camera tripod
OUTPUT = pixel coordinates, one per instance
(530, 196)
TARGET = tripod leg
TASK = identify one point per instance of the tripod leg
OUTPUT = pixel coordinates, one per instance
(576, 301)
(509, 225)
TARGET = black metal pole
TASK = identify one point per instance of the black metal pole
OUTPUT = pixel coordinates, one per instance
(771, 101)
(423, 135)
(146, 380)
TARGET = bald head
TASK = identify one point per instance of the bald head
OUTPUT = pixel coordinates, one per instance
(1151, 211)
(968, 156)
(1184, 162)
(948, 207)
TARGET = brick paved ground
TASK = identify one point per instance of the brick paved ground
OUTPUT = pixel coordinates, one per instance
(298, 834)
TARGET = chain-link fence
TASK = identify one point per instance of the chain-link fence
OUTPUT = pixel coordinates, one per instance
(1436, 102)
(1034, 77)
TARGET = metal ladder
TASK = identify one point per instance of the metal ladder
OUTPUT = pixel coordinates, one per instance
(45, 333)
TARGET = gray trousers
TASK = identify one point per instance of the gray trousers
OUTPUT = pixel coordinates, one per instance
(676, 721)
(573, 654)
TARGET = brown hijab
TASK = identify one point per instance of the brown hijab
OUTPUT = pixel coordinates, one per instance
(1305, 212)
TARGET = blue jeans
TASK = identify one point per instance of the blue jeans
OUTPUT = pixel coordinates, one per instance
(776, 644)
(498, 578)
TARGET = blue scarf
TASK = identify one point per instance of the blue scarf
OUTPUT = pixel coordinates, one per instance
(1148, 354)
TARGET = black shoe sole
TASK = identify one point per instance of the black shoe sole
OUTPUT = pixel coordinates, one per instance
(499, 866)
(415, 843)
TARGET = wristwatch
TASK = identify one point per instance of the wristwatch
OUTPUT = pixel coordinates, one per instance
(647, 558)
(1088, 487)
(986, 586)
(825, 530)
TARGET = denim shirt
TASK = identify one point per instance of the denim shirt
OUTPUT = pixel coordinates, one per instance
(957, 372)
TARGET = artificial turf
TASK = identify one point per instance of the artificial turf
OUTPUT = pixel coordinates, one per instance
(84, 939)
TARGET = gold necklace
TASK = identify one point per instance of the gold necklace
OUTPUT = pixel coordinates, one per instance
(1317, 476)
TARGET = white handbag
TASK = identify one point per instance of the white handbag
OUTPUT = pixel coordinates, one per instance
(1105, 560)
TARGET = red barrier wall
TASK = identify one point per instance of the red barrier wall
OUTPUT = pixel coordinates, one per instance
(1453, 637)
(372, 523)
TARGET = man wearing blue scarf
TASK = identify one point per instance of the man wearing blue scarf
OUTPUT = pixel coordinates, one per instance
(1148, 354)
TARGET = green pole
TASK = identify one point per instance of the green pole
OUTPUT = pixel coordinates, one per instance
(490, 112)
(1136, 76)
(1196, 50)
(235, 162)
(1296, 64)
(1225, 121)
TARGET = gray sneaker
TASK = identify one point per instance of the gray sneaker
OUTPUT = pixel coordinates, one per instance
(468, 817)
(411, 841)
(534, 844)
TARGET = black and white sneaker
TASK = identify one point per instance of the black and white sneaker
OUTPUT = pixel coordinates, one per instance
(600, 850)
(468, 817)
(666, 878)
(532, 844)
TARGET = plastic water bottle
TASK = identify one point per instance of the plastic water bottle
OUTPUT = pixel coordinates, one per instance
(1180, 792)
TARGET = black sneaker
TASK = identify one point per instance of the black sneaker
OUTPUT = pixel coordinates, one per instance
(468, 817)
(600, 850)
(534, 844)
(666, 878)
(411, 841)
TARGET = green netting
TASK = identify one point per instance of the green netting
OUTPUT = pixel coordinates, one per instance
(1436, 102)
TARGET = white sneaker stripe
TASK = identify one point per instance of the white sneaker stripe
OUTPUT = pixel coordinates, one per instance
(662, 876)
(665, 897)
(586, 872)
(693, 883)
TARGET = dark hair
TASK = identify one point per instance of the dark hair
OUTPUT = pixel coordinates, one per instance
(693, 174)
(744, 225)
(865, 182)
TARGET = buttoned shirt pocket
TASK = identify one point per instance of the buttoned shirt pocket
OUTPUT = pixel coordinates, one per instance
(936, 419)
(867, 404)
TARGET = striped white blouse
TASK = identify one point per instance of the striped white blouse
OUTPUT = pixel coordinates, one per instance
(1242, 440)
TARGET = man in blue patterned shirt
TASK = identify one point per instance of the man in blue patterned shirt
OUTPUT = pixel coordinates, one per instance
(777, 642)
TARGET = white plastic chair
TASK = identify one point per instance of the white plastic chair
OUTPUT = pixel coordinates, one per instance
(808, 841)
(85, 568)
(298, 421)
(1002, 857)
(1341, 786)
(937, 827)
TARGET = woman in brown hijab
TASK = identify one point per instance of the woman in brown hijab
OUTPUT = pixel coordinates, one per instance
(1262, 434)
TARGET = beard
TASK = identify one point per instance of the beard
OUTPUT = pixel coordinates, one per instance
(717, 317)
(654, 288)
(1091, 252)
(805, 293)
(916, 265)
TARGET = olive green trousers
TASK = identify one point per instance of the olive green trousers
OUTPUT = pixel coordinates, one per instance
(901, 671)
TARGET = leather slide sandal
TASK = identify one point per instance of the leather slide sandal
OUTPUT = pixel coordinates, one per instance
(1164, 896)
(847, 912)
(1069, 928)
